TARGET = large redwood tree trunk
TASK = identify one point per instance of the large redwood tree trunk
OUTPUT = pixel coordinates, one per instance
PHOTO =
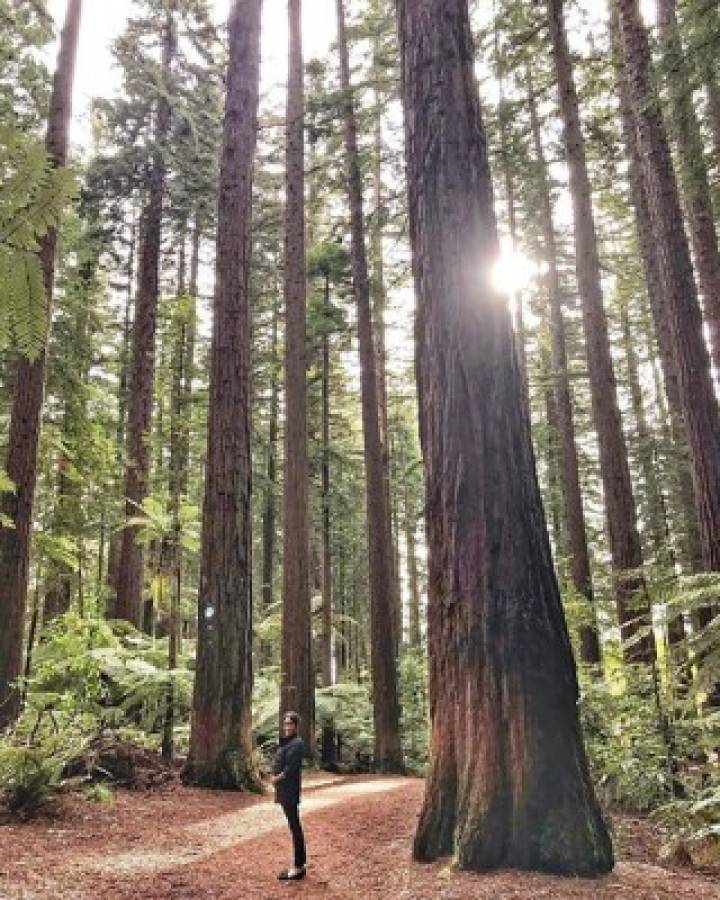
(386, 708)
(220, 736)
(508, 783)
(25, 418)
(297, 683)
(128, 601)
(692, 361)
(620, 509)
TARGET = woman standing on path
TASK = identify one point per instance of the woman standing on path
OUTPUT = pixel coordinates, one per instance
(287, 778)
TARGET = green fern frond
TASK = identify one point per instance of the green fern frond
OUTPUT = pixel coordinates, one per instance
(33, 197)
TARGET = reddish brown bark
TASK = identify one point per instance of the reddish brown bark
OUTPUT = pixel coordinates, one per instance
(508, 782)
(692, 362)
(692, 170)
(386, 709)
(573, 513)
(220, 736)
(25, 418)
(620, 510)
(297, 686)
(130, 575)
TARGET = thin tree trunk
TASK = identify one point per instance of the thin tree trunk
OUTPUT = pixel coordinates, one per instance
(379, 303)
(655, 519)
(297, 686)
(327, 598)
(692, 362)
(177, 486)
(508, 783)
(221, 751)
(620, 510)
(573, 513)
(552, 454)
(386, 708)
(25, 419)
(269, 514)
(130, 574)
(414, 634)
(692, 170)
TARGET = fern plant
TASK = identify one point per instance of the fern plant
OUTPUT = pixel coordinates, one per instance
(33, 196)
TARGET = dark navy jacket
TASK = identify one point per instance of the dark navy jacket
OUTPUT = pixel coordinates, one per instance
(289, 761)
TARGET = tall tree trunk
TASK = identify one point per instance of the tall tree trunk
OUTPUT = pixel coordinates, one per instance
(386, 708)
(508, 783)
(379, 303)
(122, 397)
(573, 513)
(692, 362)
(182, 365)
(269, 499)
(220, 736)
(659, 309)
(655, 517)
(25, 418)
(327, 593)
(297, 685)
(693, 171)
(620, 510)
(414, 633)
(128, 604)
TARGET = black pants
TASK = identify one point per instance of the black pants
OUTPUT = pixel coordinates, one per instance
(293, 816)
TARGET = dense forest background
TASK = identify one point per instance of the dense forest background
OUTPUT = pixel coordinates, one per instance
(603, 141)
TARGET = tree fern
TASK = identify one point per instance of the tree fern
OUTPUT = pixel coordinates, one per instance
(33, 195)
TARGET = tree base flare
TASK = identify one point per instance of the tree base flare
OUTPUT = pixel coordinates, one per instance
(553, 840)
(231, 771)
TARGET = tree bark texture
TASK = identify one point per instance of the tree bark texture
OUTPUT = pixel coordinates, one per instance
(508, 783)
(692, 361)
(25, 417)
(692, 169)
(220, 737)
(386, 708)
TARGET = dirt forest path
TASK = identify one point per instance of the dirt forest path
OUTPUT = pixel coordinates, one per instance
(187, 844)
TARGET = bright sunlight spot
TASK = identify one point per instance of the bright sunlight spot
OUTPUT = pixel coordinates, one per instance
(514, 271)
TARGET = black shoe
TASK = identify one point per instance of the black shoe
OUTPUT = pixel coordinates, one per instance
(286, 876)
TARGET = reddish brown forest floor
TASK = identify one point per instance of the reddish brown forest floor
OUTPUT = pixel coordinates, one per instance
(188, 844)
